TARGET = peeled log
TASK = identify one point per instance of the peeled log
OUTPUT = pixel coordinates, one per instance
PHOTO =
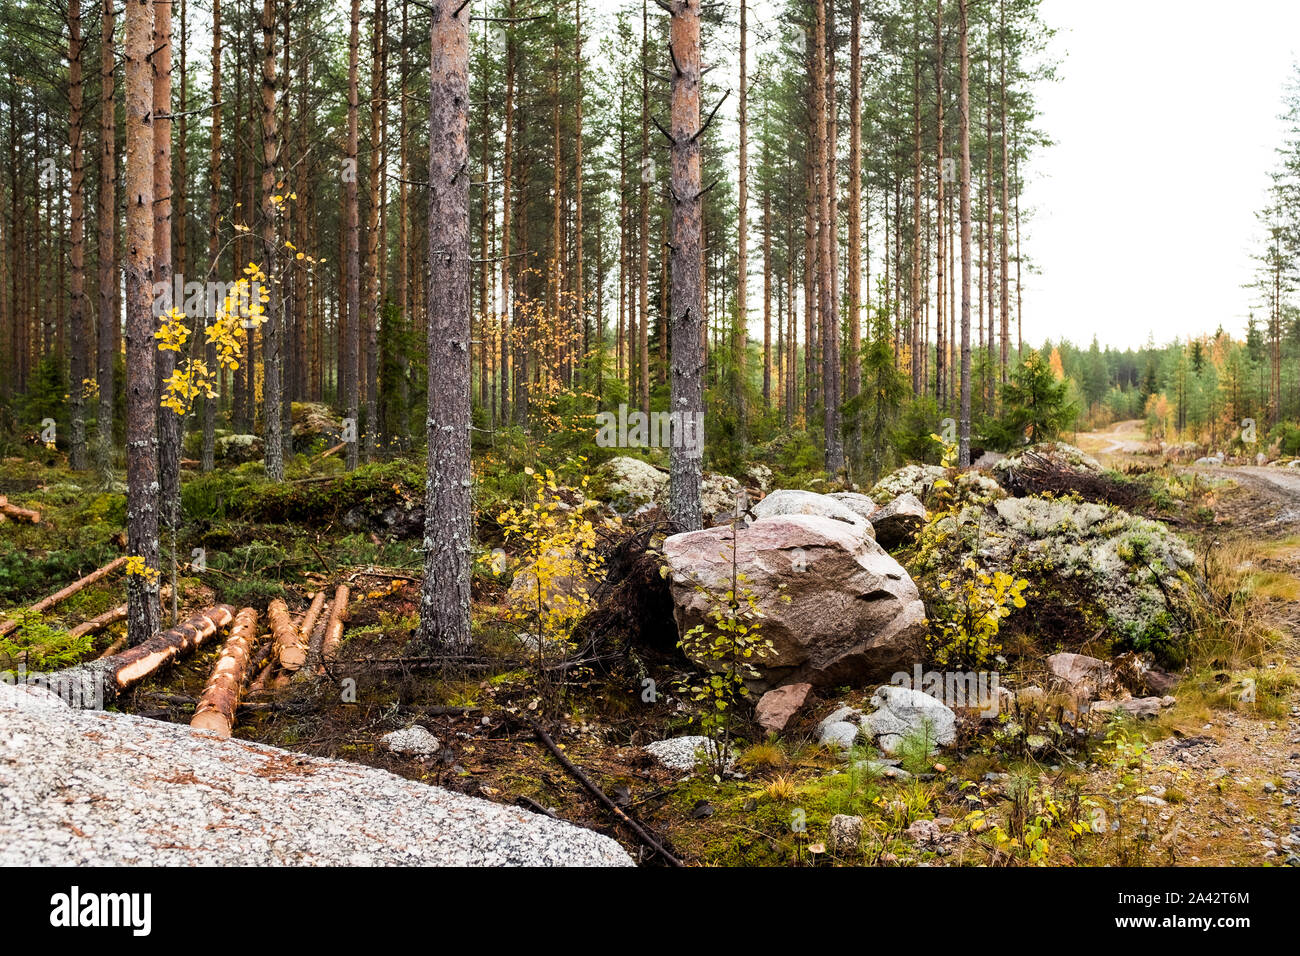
(49, 602)
(19, 514)
(308, 623)
(290, 648)
(334, 630)
(216, 708)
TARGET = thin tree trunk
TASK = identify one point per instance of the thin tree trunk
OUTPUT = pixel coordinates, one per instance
(214, 221)
(273, 329)
(350, 343)
(107, 338)
(828, 308)
(964, 120)
(740, 332)
(77, 242)
(853, 367)
(169, 423)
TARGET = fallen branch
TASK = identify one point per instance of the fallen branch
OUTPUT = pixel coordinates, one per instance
(44, 605)
(602, 797)
(216, 708)
(331, 451)
(290, 649)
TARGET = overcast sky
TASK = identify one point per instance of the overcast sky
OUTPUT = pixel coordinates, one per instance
(1165, 121)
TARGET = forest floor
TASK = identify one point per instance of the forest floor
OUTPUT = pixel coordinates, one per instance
(1212, 780)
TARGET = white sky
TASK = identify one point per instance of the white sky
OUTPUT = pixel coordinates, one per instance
(1165, 121)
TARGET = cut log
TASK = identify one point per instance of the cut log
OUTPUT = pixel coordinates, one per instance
(332, 451)
(290, 648)
(216, 708)
(317, 638)
(309, 619)
(18, 514)
(44, 605)
(334, 630)
(91, 685)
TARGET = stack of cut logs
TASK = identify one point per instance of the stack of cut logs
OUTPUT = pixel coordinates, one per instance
(306, 643)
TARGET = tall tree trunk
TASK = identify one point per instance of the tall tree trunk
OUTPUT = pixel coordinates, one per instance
(273, 328)
(141, 385)
(740, 332)
(373, 238)
(687, 392)
(169, 424)
(350, 343)
(853, 367)
(507, 263)
(963, 31)
(445, 597)
(828, 308)
(1005, 312)
(214, 222)
(647, 174)
(941, 253)
(579, 294)
(106, 210)
(77, 243)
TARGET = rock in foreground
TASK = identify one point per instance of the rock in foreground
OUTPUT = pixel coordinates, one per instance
(836, 607)
(83, 788)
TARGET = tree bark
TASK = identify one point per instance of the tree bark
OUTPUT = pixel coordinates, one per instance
(142, 493)
(77, 243)
(685, 381)
(273, 328)
(963, 454)
(106, 211)
(350, 341)
(168, 422)
(445, 596)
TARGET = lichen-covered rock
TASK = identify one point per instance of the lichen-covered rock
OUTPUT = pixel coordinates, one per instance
(683, 753)
(902, 712)
(1089, 564)
(858, 503)
(722, 496)
(899, 521)
(627, 483)
(910, 479)
(787, 501)
(835, 606)
(760, 476)
(237, 449)
(314, 421)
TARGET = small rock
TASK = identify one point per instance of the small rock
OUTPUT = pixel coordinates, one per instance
(412, 742)
(845, 833)
(777, 707)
